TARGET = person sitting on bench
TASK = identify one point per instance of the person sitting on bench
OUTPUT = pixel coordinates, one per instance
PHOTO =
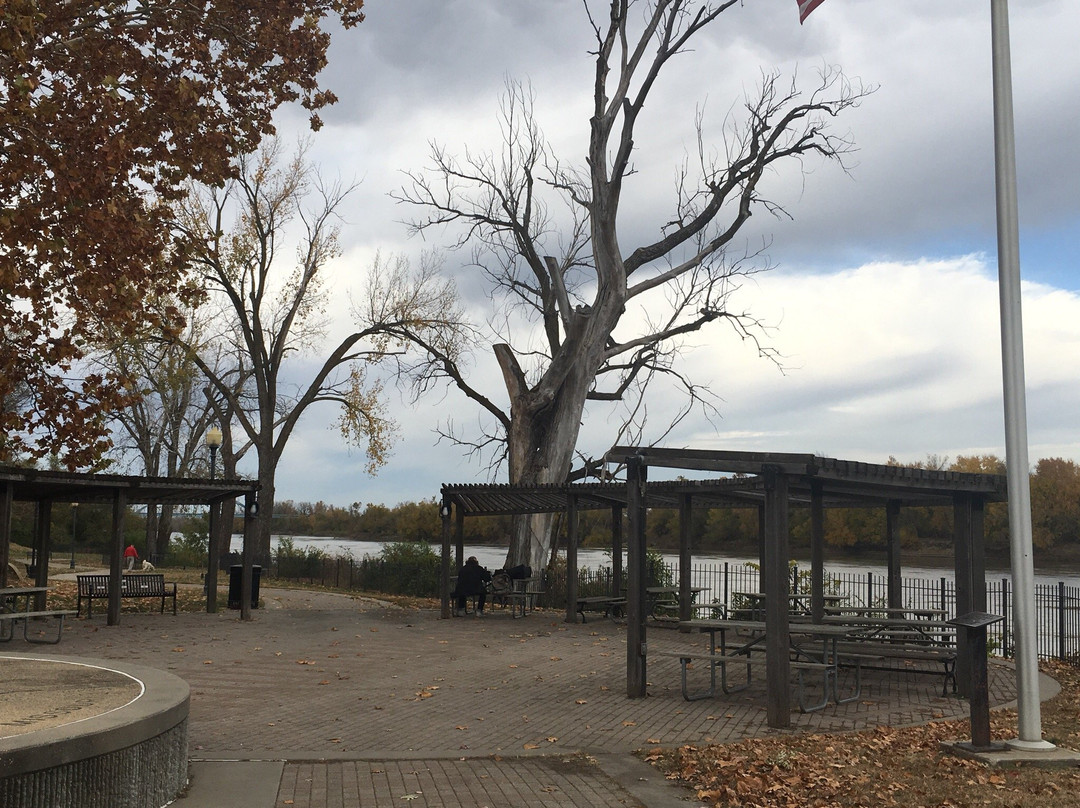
(472, 582)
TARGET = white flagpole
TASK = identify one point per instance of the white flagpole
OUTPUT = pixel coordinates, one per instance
(1029, 719)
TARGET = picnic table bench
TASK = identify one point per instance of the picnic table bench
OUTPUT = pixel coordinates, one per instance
(660, 601)
(805, 659)
(922, 639)
(11, 614)
(132, 585)
(609, 605)
(752, 604)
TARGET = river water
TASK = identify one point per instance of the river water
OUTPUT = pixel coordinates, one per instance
(494, 558)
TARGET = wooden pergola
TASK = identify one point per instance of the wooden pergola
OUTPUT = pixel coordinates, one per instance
(770, 482)
(43, 488)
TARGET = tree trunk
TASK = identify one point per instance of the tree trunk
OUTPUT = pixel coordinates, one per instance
(266, 509)
(543, 432)
(151, 533)
(164, 529)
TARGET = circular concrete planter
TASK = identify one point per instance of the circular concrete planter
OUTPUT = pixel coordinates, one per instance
(90, 733)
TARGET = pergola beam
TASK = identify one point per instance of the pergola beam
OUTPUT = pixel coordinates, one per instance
(771, 482)
(42, 487)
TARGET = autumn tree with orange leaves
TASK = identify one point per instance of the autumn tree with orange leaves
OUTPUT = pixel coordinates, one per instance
(107, 110)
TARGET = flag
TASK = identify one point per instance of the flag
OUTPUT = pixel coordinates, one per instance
(805, 7)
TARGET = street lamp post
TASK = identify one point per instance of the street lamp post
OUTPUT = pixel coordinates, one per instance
(213, 443)
(74, 512)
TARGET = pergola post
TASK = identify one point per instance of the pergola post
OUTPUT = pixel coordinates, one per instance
(761, 536)
(571, 558)
(892, 555)
(774, 573)
(970, 572)
(6, 492)
(444, 565)
(116, 556)
(251, 513)
(459, 538)
(213, 557)
(43, 544)
(616, 550)
(685, 561)
(817, 552)
(636, 473)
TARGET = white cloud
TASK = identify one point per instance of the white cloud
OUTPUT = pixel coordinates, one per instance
(885, 294)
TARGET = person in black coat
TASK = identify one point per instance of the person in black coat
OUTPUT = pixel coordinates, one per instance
(472, 580)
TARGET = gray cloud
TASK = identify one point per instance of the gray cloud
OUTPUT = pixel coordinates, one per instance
(900, 360)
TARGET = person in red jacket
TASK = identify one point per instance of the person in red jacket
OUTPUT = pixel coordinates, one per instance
(131, 555)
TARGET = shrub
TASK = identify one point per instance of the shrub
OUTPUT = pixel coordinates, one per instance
(295, 562)
(402, 568)
(191, 549)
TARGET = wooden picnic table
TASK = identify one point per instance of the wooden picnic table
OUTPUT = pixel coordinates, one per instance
(11, 613)
(9, 596)
(806, 657)
(663, 598)
(920, 629)
(886, 611)
(798, 603)
(911, 640)
(610, 606)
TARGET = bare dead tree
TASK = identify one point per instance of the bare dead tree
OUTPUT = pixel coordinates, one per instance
(274, 308)
(587, 319)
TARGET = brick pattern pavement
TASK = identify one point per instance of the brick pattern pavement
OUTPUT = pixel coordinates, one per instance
(573, 781)
(329, 677)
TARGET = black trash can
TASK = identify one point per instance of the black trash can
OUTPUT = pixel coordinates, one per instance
(236, 574)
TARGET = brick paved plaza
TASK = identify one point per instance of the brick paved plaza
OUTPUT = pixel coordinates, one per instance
(350, 702)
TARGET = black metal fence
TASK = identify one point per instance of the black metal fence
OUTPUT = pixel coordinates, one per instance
(1057, 606)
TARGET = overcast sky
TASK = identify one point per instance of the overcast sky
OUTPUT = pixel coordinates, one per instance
(884, 293)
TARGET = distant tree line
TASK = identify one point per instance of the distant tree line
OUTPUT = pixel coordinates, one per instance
(1055, 502)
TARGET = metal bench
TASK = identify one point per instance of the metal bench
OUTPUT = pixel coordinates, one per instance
(523, 594)
(132, 585)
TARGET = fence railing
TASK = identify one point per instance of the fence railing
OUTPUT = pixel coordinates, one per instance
(1057, 606)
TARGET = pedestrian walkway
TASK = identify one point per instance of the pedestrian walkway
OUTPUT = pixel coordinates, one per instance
(328, 700)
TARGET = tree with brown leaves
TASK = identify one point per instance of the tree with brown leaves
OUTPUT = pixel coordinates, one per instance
(107, 109)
